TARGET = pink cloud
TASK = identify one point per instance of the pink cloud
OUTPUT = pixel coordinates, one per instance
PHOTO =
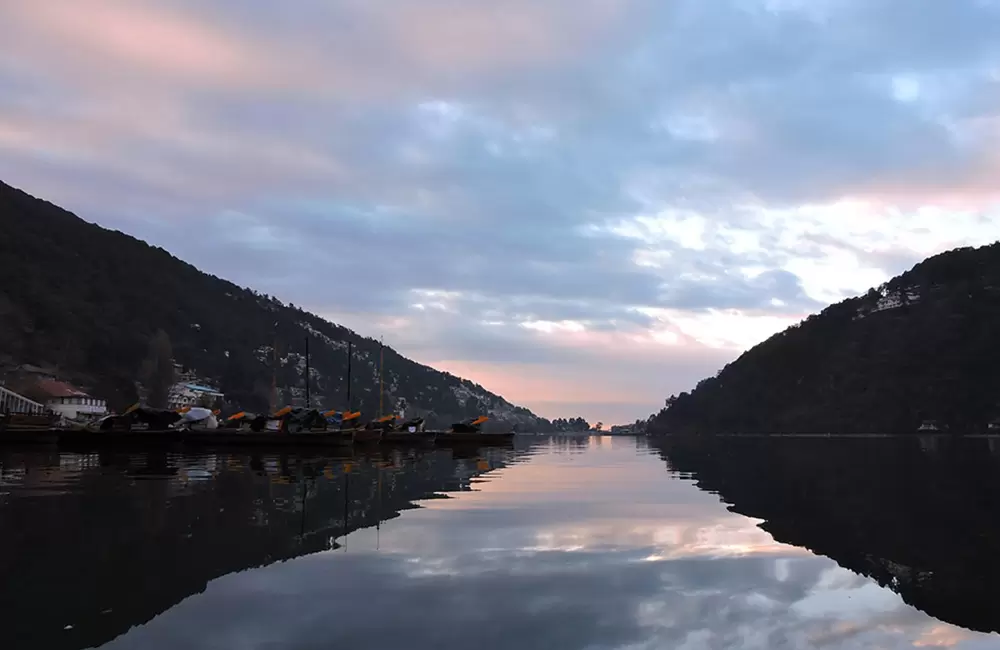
(970, 184)
(390, 48)
(604, 384)
(116, 37)
(447, 35)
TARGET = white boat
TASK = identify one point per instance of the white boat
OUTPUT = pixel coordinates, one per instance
(929, 426)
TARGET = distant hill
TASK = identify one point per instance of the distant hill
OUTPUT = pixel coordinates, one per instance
(87, 301)
(925, 345)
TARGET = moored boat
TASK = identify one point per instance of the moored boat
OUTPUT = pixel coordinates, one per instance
(367, 436)
(470, 432)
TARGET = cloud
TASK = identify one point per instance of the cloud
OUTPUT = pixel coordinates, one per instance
(135, 45)
(622, 168)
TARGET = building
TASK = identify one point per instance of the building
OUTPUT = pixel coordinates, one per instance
(69, 401)
(184, 394)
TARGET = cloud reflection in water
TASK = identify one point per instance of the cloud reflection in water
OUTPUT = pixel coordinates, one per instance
(604, 549)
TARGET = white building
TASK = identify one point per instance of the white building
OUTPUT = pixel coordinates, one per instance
(69, 401)
(187, 394)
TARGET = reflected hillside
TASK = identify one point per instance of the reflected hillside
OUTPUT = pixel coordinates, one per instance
(96, 544)
(920, 516)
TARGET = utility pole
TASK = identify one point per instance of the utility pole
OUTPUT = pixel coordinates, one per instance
(349, 354)
(274, 370)
(380, 363)
(308, 401)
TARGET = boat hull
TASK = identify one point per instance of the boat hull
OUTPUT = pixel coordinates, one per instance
(368, 436)
(30, 436)
(270, 439)
(173, 437)
(484, 439)
(407, 438)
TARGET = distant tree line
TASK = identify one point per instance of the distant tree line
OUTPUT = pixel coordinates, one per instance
(572, 424)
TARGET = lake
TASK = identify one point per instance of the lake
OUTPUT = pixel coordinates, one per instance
(556, 543)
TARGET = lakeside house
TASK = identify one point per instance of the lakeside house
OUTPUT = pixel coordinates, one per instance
(183, 394)
(67, 400)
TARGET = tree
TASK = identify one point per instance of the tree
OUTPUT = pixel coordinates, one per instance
(599, 426)
(158, 370)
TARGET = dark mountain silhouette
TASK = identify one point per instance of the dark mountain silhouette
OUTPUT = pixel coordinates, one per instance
(86, 302)
(918, 514)
(923, 346)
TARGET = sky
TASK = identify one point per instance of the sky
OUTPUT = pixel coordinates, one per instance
(582, 205)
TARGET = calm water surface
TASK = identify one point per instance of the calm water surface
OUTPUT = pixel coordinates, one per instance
(555, 544)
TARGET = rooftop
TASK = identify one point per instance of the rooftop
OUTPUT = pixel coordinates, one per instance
(200, 388)
(56, 388)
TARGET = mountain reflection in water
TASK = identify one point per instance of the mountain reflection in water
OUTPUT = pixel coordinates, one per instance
(557, 543)
(920, 515)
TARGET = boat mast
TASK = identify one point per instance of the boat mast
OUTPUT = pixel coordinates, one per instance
(308, 401)
(274, 370)
(381, 360)
(349, 350)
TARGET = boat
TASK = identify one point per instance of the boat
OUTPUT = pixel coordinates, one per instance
(472, 425)
(368, 436)
(470, 432)
(409, 438)
(244, 420)
(929, 426)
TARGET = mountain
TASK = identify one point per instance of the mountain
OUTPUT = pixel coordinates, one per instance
(922, 346)
(87, 301)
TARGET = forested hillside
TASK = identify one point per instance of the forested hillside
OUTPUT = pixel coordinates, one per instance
(923, 346)
(86, 301)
